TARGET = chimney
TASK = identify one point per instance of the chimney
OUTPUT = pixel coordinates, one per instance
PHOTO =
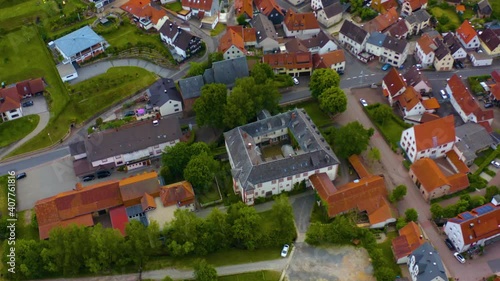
(165, 91)
(249, 145)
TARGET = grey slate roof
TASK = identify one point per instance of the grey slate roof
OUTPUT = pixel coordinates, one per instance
(414, 76)
(429, 263)
(227, 71)
(78, 41)
(333, 9)
(376, 38)
(490, 38)
(132, 137)
(353, 32)
(77, 148)
(394, 44)
(320, 40)
(251, 169)
(208, 76)
(264, 28)
(162, 91)
(399, 29)
(484, 7)
(452, 42)
(191, 86)
(472, 138)
(441, 50)
(418, 17)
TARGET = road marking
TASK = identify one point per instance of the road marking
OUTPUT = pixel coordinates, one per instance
(348, 78)
(360, 76)
(373, 74)
(366, 75)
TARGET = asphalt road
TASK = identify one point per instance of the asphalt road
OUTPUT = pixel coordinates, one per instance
(32, 161)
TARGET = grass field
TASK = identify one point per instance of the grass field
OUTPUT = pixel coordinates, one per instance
(15, 130)
(90, 97)
(391, 128)
(130, 34)
(317, 115)
(387, 252)
(219, 28)
(454, 21)
(263, 275)
(175, 6)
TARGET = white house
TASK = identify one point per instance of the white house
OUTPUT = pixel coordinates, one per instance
(464, 103)
(267, 38)
(184, 43)
(203, 8)
(467, 35)
(431, 139)
(353, 37)
(456, 49)
(303, 152)
(163, 97)
(425, 264)
(67, 72)
(302, 26)
(334, 60)
(320, 44)
(480, 59)
(90, 44)
(393, 85)
(424, 50)
(147, 15)
(474, 229)
(418, 21)
(416, 78)
(330, 14)
(409, 6)
(10, 104)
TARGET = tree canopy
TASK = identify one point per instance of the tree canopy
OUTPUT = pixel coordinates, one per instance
(323, 79)
(333, 100)
(350, 139)
(381, 113)
(261, 72)
(204, 271)
(178, 156)
(200, 171)
(210, 106)
(398, 193)
(411, 215)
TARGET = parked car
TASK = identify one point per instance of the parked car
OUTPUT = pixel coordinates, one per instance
(27, 103)
(459, 257)
(418, 65)
(20, 176)
(88, 178)
(488, 105)
(284, 252)
(363, 102)
(103, 174)
(340, 72)
(496, 164)
(448, 243)
(295, 81)
(129, 113)
(386, 67)
(444, 95)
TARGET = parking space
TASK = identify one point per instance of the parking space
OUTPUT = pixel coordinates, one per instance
(370, 95)
(39, 105)
(494, 265)
(44, 181)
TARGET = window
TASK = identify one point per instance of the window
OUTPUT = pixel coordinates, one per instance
(176, 110)
(176, 105)
(305, 174)
(330, 168)
(273, 182)
(281, 180)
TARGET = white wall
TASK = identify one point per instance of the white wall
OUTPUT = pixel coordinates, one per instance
(232, 53)
(425, 59)
(160, 23)
(170, 107)
(355, 47)
(13, 114)
(474, 43)
(301, 34)
(481, 62)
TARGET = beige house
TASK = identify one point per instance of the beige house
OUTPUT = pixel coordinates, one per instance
(330, 15)
(293, 64)
(443, 60)
(490, 41)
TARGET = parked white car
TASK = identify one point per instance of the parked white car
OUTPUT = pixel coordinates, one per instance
(459, 257)
(284, 252)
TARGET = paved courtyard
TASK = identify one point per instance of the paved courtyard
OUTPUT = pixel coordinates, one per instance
(39, 106)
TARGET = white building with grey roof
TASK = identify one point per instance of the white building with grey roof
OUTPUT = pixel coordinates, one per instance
(273, 154)
(425, 264)
(267, 37)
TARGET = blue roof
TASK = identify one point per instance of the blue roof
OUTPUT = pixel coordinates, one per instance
(78, 41)
(467, 215)
(376, 38)
(484, 209)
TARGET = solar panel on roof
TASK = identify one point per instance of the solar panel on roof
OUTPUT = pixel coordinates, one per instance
(467, 216)
(484, 209)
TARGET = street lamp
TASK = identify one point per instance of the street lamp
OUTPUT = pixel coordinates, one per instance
(50, 138)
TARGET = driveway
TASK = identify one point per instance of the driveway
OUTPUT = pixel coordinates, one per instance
(39, 106)
(343, 263)
(302, 209)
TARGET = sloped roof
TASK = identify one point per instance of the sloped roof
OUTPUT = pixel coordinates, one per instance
(484, 7)
(431, 177)
(376, 38)
(394, 81)
(460, 8)
(204, 5)
(409, 98)
(496, 76)
(452, 42)
(163, 91)
(395, 44)
(294, 45)
(184, 39)
(147, 201)
(430, 265)
(409, 239)
(264, 28)
(399, 29)
(495, 91)
(320, 40)
(244, 7)
(266, 7)
(430, 104)
(10, 99)
(78, 41)
(466, 32)
(300, 21)
(231, 38)
(191, 87)
(434, 133)
(455, 160)
(426, 44)
(227, 71)
(328, 59)
(466, 101)
(133, 188)
(490, 39)
(414, 76)
(323, 185)
(289, 60)
(418, 17)
(354, 32)
(29, 87)
(333, 9)
(416, 4)
(84, 220)
(360, 169)
(179, 193)
(382, 21)
(427, 117)
(441, 51)
(119, 218)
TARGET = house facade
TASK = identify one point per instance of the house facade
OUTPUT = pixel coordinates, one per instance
(424, 51)
(163, 97)
(443, 60)
(409, 239)
(410, 6)
(429, 140)
(10, 104)
(425, 264)
(300, 25)
(467, 35)
(90, 45)
(234, 42)
(255, 175)
(417, 79)
(418, 21)
(484, 9)
(146, 15)
(480, 59)
(353, 37)
(266, 36)
(456, 49)
(320, 44)
(184, 43)
(474, 229)
(393, 85)
(293, 64)
(334, 60)
(204, 8)
(490, 41)
(330, 15)
(271, 10)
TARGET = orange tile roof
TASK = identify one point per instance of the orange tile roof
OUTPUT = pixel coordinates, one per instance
(487, 126)
(244, 7)
(428, 174)
(11, 99)
(31, 86)
(44, 230)
(409, 98)
(431, 103)
(323, 185)
(394, 81)
(435, 133)
(203, 5)
(180, 193)
(426, 117)
(417, 4)
(119, 218)
(426, 44)
(300, 21)
(409, 239)
(459, 164)
(231, 38)
(460, 8)
(143, 8)
(267, 6)
(466, 32)
(289, 60)
(147, 201)
(133, 188)
(484, 224)
(458, 182)
(358, 166)
(382, 21)
(328, 59)
(495, 90)
(249, 35)
(466, 101)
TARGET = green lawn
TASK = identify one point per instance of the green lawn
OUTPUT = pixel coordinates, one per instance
(13, 16)
(219, 28)
(209, 196)
(387, 252)
(317, 115)
(24, 229)
(3, 194)
(454, 21)
(263, 275)
(391, 128)
(90, 97)
(15, 130)
(483, 155)
(175, 6)
(128, 34)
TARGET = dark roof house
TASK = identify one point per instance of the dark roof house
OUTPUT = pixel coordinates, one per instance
(484, 9)
(163, 91)
(425, 264)
(354, 32)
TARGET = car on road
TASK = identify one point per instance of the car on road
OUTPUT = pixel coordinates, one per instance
(88, 178)
(20, 176)
(284, 252)
(448, 243)
(495, 163)
(129, 113)
(295, 81)
(444, 95)
(459, 257)
(103, 174)
(386, 67)
(27, 103)
(418, 65)
(363, 102)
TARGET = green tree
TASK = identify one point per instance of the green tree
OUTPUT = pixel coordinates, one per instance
(411, 215)
(261, 72)
(443, 20)
(105, 249)
(215, 57)
(239, 109)
(437, 211)
(204, 271)
(351, 139)
(323, 79)
(167, 278)
(374, 154)
(178, 156)
(283, 232)
(241, 19)
(182, 233)
(244, 220)
(490, 192)
(266, 96)
(197, 68)
(200, 171)
(381, 113)
(210, 106)
(218, 230)
(398, 193)
(400, 223)
(333, 100)
(384, 274)
(28, 260)
(476, 201)
(137, 243)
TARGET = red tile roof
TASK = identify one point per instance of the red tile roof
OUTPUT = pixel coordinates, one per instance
(44, 230)
(10, 99)
(435, 133)
(496, 76)
(394, 81)
(143, 8)
(29, 87)
(289, 60)
(148, 202)
(300, 21)
(204, 5)
(267, 6)
(426, 44)
(132, 189)
(431, 177)
(487, 126)
(409, 239)
(244, 7)
(460, 8)
(328, 59)
(466, 32)
(382, 21)
(231, 38)
(484, 224)
(466, 101)
(495, 90)
(323, 185)
(358, 166)
(119, 218)
(409, 98)
(180, 194)
(455, 160)
(416, 4)
(427, 117)
(431, 103)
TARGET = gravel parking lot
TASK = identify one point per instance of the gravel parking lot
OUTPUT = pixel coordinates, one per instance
(333, 263)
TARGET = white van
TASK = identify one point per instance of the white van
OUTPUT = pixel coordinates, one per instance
(485, 87)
